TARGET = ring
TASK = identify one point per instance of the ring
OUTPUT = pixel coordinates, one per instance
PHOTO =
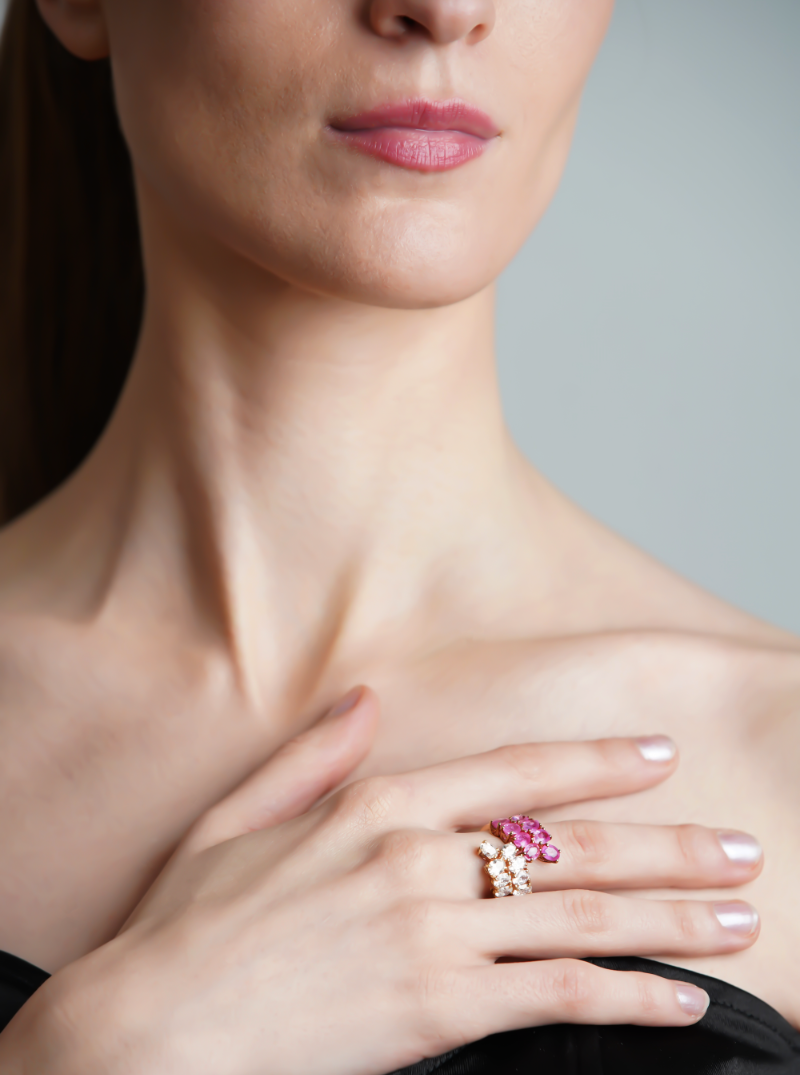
(524, 841)
(507, 868)
(532, 839)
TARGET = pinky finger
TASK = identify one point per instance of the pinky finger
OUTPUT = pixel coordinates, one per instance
(515, 995)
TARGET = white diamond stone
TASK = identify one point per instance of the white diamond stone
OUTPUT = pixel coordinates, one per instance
(509, 851)
(495, 867)
(517, 865)
(488, 851)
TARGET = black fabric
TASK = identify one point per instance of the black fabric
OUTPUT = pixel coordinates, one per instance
(18, 981)
(739, 1035)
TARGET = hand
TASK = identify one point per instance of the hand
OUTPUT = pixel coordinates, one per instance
(351, 940)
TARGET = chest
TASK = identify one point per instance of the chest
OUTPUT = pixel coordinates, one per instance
(92, 801)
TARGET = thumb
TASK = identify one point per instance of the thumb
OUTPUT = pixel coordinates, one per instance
(297, 775)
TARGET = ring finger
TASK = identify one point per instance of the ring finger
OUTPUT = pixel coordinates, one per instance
(595, 855)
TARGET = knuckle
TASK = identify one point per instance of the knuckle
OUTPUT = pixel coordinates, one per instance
(571, 986)
(437, 1024)
(686, 924)
(593, 845)
(368, 803)
(405, 854)
(432, 983)
(520, 759)
(588, 912)
(690, 840)
(648, 993)
(614, 756)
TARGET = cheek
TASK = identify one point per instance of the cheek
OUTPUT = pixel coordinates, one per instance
(207, 91)
(548, 57)
(185, 83)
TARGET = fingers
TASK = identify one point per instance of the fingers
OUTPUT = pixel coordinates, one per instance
(596, 854)
(544, 925)
(582, 923)
(468, 792)
(508, 996)
(297, 775)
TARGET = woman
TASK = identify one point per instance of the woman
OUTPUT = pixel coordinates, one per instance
(307, 484)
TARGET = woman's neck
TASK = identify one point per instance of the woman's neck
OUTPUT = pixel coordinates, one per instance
(301, 477)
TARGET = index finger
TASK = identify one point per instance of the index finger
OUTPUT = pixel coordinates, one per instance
(466, 793)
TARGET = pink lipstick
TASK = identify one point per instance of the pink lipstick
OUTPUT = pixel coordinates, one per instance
(424, 136)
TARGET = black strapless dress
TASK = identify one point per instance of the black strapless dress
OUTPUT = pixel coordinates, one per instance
(739, 1035)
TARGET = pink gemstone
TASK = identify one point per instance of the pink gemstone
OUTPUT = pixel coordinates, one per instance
(529, 824)
(517, 818)
(496, 824)
(521, 839)
(550, 853)
(510, 829)
(532, 853)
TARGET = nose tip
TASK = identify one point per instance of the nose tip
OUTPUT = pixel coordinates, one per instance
(444, 21)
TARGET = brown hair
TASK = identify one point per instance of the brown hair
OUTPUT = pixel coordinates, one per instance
(71, 282)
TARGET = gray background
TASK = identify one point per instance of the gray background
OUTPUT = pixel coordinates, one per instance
(649, 331)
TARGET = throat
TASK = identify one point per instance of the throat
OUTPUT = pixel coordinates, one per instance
(330, 481)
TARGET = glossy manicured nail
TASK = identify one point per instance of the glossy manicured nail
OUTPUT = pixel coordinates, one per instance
(692, 1000)
(739, 847)
(656, 748)
(344, 705)
(737, 917)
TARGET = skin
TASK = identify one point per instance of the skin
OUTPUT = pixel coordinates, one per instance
(401, 931)
(308, 484)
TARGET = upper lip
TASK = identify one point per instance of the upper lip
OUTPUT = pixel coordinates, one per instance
(422, 115)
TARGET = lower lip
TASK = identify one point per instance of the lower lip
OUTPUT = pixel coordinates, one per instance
(417, 150)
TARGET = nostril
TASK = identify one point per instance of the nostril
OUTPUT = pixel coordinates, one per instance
(396, 25)
(407, 26)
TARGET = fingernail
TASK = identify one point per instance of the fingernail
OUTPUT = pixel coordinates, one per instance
(656, 748)
(737, 917)
(739, 847)
(350, 701)
(692, 1000)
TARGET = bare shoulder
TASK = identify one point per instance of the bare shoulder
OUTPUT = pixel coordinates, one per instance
(47, 688)
(609, 584)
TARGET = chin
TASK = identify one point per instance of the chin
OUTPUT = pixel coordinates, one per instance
(412, 257)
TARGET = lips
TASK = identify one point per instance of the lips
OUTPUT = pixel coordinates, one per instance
(421, 135)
